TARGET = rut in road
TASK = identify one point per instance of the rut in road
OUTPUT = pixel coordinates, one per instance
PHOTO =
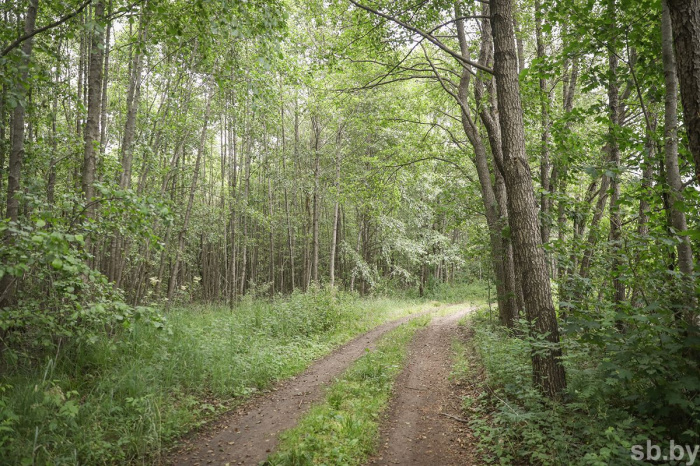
(248, 435)
(417, 429)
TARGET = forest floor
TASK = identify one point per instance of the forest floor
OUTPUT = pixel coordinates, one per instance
(415, 428)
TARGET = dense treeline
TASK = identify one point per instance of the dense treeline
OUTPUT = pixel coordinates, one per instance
(158, 152)
(177, 151)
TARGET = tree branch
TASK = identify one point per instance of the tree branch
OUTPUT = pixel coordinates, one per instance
(21, 39)
(425, 35)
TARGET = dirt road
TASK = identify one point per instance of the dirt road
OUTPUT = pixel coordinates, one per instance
(417, 428)
(249, 434)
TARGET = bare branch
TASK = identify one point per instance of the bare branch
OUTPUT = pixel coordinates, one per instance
(425, 35)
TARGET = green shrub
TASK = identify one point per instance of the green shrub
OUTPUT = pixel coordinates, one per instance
(626, 388)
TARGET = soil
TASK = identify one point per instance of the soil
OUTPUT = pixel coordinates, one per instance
(247, 435)
(424, 425)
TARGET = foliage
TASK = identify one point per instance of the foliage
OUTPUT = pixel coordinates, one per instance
(621, 393)
(63, 300)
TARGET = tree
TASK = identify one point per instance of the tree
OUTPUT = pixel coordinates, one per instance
(94, 97)
(673, 176)
(685, 20)
(548, 372)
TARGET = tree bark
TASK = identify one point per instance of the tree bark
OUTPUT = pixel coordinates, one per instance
(14, 172)
(673, 176)
(548, 371)
(494, 202)
(17, 143)
(615, 220)
(544, 140)
(336, 209)
(685, 20)
(105, 81)
(92, 125)
(316, 129)
(592, 232)
(132, 105)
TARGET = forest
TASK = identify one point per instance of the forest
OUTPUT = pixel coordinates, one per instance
(204, 200)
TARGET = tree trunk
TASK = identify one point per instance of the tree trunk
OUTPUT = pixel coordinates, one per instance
(673, 176)
(548, 372)
(17, 147)
(18, 114)
(544, 120)
(316, 130)
(105, 80)
(290, 230)
(592, 232)
(615, 221)
(504, 274)
(247, 147)
(132, 105)
(685, 19)
(92, 125)
(336, 210)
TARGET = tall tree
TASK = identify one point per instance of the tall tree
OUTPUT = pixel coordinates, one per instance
(94, 96)
(673, 176)
(548, 371)
(18, 114)
(614, 147)
(14, 172)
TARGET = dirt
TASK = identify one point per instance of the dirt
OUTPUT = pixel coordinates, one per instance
(249, 434)
(423, 424)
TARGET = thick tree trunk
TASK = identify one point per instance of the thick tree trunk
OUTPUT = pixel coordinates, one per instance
(548, 371)
(494, 205)
(673, 176)
(685, 19)
(92, 125)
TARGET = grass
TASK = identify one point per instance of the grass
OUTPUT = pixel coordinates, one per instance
(124, 398)
(344, 429)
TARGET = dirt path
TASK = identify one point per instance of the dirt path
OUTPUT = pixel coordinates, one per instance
(416, 430)
(249, 434)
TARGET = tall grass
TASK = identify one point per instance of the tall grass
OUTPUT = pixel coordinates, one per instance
(126, 397)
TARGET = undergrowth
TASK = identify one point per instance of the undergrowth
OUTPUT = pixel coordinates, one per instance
(612, 401)
(122, 397)
(343, 429)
